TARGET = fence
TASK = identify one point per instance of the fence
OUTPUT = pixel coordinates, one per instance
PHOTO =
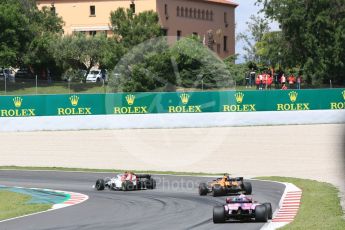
(191, 102)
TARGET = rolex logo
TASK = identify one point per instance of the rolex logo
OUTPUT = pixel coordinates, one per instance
(74, 100)
(293, 96)
(130, 99)
(239, 97)
(184, 98)
(17, 101)
(343, 93)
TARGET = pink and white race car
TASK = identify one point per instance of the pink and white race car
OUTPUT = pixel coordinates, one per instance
(126, 182)
(242, 208)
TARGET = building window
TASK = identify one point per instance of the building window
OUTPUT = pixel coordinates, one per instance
(186, 12)
(92, 33)
(92, 11)
(132, 7)
(179, 35)
(225, 43)
(165, 32)
(199, 14)
(207, 15)
(194, 13)
(182, 11)
(190, 12)
(166, 9)
(178, 11)
(226, 19)
(203, 14)
(211, 15)
(53, 9)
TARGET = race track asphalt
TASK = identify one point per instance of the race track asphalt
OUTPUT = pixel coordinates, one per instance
(175, 204)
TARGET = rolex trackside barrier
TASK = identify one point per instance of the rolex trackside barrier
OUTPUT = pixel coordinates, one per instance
(189, 102)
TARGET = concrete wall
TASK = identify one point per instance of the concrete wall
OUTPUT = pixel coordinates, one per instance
(144, 121)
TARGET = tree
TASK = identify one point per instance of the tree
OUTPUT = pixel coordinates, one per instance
(257, 28)
(198, 66)
(79, 51)
(156, 66)
(25, 32)
(132, 29)
(46, 26)
(146, 67)
(238, 71)
(271, 49)
(314, 33)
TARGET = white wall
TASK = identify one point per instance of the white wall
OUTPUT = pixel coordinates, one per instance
(170, 120)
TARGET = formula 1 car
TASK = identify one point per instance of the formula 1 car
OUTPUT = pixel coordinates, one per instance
(225, 186)
(242, 208)
(126, 182)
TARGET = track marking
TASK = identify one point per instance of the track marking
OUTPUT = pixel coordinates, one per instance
(288, 207)
(72, 198)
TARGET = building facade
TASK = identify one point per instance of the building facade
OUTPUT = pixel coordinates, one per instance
(212, 20)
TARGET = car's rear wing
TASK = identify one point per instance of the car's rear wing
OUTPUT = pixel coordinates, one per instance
(142, 176)
(236, 179)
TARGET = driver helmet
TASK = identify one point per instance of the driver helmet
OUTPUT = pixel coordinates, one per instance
(242, 197)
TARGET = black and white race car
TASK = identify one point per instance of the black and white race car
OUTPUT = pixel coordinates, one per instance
(126, 182)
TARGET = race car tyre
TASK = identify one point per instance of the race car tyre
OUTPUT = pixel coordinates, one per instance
(247, 186)
(150, 183)
(217, 190)
(261, 214)
(269, 210)
(100, 184)
(140, 185)
(127, 186)
(203, 189)
(218, 214)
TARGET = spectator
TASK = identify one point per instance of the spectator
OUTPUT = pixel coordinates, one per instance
(257, 82)
(252, 78)
(284, 87)
(264, 80)
(299, 81)
(291, 80)
(276, 80)
(269, 82)
(261, 81)
(283, 80)
(247, 77)
(49, 76)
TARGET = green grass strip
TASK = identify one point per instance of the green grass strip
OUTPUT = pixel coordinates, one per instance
(14, 204)
(320, 205)
(106, 170)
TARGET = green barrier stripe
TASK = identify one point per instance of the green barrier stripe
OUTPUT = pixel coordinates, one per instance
(189, 102)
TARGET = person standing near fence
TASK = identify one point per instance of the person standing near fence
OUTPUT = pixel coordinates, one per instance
(257, 82)
(252, 78)
(269, 82)
(283, 80)
(247, 78)
(291, 80)
(299, 81)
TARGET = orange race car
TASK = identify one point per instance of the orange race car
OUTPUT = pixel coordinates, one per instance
(226, 186)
